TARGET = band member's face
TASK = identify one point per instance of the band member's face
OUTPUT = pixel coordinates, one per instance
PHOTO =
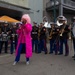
(74, 20)
(34, 24)
(14, 26)
(41, 25)
(52, 26)
(60, 21)
(64, 22)
(5, 25)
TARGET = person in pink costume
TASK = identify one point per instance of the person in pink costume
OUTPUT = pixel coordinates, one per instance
(24, 39)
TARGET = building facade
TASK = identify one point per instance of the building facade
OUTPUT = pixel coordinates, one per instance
(36, 7)
(16, 8)
(55, 8)
(23, 3)
(13, 8)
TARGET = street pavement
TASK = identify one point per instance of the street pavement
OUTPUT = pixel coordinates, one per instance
(40, 64)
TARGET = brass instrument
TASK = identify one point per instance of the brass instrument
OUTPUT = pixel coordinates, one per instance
(50, 35)
(39, 30)
(62, 30)
(60, 20)
(71, 34)
(52, 28)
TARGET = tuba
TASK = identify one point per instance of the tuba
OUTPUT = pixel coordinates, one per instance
(47, 25)
(60, 20)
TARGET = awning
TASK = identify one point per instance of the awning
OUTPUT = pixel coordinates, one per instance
(8, 19)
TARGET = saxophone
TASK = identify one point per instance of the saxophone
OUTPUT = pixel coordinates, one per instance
(39, 30)
(50, 35)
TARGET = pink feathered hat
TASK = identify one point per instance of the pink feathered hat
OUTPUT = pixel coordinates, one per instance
(26, 17)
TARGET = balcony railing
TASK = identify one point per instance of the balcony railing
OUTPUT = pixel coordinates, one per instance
(70, 3)
(51, 3)
(66, 2)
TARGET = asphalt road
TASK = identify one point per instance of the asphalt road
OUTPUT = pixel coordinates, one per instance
(40, 64)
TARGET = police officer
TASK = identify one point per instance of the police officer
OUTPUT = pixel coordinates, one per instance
(4, 36)
(13, 38)
(64, 30)
(42, 39)
(34, 35)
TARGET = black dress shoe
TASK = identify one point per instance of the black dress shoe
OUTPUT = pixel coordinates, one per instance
(73, 56)
(56, 53)
(6, 52)
(50, 52)
(66, 54)
(38, 52)
(45, 52)
(60, 53)
(11, 53)
(35, 52)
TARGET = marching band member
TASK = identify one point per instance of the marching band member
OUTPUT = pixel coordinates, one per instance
(35, 38)
(4, 36)
(24, 39)
(64, 30)
(73, 36)
(42, 39)
(13, 38)
(0, 36)
(51, 38)
(54, 43)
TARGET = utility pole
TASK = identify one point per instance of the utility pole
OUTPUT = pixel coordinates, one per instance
(54, 11)
(61, 7)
